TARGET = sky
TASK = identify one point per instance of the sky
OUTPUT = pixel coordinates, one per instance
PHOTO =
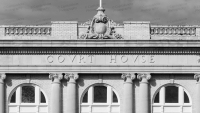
(42, 12)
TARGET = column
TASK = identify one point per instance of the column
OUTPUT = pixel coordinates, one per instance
(197, 99)
(143, 92)
(128, 92)
(56, 92)
(71, 92)
(2, 101)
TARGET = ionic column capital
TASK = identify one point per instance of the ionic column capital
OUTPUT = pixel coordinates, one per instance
(197, 76)
(72, 77)
(55, 77)
(2, 77)
(128, 77)
(144, 77)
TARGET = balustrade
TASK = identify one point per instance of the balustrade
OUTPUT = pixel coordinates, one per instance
(174, 30)
(37, 30)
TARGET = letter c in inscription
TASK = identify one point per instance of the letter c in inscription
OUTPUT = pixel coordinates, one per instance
(124, 59)
(61, 59)
(50, 59)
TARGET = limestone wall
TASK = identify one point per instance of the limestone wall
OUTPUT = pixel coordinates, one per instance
(114, 80)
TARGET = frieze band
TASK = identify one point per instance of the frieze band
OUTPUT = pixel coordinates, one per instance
(124, 51)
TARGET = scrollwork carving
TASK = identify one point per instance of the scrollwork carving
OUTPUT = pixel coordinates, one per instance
(2, 76)
(197, 76)
(69, 76)
(128, 75)
(55, 77)
(145, 76)
(100, 27)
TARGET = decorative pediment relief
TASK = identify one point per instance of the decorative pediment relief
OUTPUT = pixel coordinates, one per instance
(100, 27)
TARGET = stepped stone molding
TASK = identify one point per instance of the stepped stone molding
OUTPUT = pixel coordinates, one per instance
(28, 31)
(173, 30)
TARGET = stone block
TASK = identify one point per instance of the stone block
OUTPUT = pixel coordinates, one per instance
(136, 30)
(65, 30)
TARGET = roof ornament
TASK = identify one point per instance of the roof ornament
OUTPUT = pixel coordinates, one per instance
(101, 27)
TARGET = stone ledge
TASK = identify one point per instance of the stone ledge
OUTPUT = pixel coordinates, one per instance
(64, 22)
(99, 69)
(136, 22)
(100, 43)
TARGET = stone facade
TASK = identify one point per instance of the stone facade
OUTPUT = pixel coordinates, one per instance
(65, 61)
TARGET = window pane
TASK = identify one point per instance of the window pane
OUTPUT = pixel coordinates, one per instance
(43, 100)
(100, 94)
(115, 100)
(28, 94)
(13, 98)
(171, 94)
(186, 98)
(156, 100)
(85, 98)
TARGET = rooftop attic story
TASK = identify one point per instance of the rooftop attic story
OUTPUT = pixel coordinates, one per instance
(100, 27)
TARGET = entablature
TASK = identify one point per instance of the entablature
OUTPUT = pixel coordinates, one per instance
(100, 43)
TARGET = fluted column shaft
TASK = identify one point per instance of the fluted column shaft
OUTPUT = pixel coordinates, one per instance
(197, 99)
(71, 92)
(128, 92)
(56, 92)
(143, 92)
(2, 101)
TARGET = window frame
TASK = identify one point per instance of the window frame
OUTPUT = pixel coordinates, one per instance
(90, 102)
(180, 103)
(18, 99)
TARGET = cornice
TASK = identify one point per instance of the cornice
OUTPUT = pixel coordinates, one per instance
(100, 43)
(100, 69)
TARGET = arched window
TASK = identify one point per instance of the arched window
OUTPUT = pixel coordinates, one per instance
(27, 99)
(100, 99)
(172, 99)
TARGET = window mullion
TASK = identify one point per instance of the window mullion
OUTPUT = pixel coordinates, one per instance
(109, 95)
(91, 95)
(37, 95)
(180, 95)
(162, 96)
(109, 98)
(90, 98)
(18, 95)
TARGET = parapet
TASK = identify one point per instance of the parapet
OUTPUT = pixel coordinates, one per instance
(71, 30)
(100, 27)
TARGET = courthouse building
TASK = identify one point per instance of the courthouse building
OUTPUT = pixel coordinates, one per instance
(99, 66)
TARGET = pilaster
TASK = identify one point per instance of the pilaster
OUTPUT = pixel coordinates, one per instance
(128, 92)
(143, 92)
(56, 92)
(71, 92)
(2, 93)
(197, 99)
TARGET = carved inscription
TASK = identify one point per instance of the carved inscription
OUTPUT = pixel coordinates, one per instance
(134, 59)
(108, 59)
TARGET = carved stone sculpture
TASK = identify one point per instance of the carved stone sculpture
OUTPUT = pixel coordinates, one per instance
(100, 27)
